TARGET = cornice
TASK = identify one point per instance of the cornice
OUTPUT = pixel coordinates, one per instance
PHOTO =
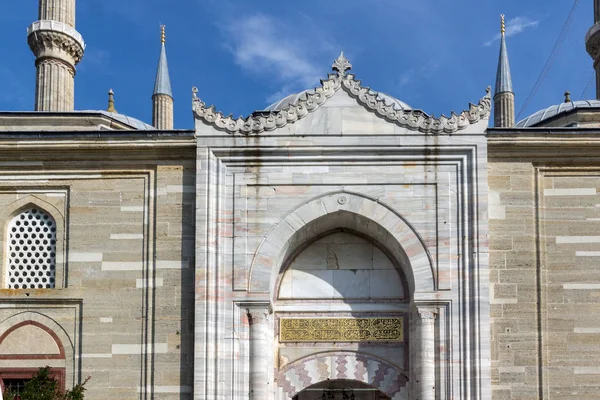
(556, 143)
(310, 101)
(84, 141)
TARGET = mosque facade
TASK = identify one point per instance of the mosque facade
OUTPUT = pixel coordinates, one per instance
(338, 244)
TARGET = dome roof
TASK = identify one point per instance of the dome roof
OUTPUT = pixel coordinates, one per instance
(133, 122)
(554, 110)
(293, 99)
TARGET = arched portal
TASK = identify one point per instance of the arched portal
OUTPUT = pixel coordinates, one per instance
(341, 389)
(363, 370)
(342, 265)
(345, 275)
(343, 209)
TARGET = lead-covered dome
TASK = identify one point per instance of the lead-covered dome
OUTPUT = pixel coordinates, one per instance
(293, 99)
(552, 111)
(133, 122)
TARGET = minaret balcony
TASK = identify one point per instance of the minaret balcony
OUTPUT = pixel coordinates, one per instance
(55, 39)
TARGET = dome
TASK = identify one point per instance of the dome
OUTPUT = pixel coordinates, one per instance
(133, 122)
(293, 99)
(552, 111)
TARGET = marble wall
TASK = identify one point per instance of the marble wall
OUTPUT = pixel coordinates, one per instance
(342, 266)
(267, 206)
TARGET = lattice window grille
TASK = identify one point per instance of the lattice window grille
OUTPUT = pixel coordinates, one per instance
(31, 250)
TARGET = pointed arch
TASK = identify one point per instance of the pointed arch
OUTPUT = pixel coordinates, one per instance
(41, 335)
(28, 201)
(343, 209)
(373, 371)
(41, 320)
(17, 207)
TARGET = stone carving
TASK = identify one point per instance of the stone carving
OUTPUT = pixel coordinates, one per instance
(341, 65)
(592, 41)
(332, 260)
(341, 330)
(360, 367)
(52, 38)
(310, 101)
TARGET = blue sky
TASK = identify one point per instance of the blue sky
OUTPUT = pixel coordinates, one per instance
(436, 55)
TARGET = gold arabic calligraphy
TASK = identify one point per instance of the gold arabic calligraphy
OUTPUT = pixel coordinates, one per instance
(341, 329)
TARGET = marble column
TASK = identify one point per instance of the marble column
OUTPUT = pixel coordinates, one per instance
(260, 351)
(426, 354)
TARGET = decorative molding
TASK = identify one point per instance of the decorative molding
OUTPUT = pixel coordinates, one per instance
(310, 101)
(257, 315)
(592, 42)
(427, 314)
(53, 37)
(371, 370)
(61, 349)
(341, 330)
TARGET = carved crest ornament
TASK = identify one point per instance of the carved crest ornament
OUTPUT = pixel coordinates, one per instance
(310, 101)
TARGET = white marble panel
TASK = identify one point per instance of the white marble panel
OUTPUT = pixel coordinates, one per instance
(85, 257)
(314, 257)
(380, 260)
(142, 283)
(350, 284)
(385, 284)
(138, 348)
(126, 236)
(313, 284)
(353, 255)
(570, 192)
(285, 287)
(577, 239)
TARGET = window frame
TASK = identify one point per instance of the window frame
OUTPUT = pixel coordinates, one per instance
(13, 210)
(27, 373)
(23, 224)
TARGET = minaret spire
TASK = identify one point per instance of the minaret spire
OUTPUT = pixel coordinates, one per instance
(111, 101)
(504, 98)
(162, 98)
(592, 44)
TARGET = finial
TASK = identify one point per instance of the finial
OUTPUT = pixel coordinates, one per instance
(341, 65)
(502, 26)
(111, 101)
(162, 34)
(567, 97)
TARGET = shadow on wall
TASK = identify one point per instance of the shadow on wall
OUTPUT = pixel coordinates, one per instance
(188, 221)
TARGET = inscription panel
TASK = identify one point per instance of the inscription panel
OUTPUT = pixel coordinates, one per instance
(341, 330)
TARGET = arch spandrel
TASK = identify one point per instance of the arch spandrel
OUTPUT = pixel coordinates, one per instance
(342, 209)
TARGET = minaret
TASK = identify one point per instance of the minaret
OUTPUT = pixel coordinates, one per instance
(162, 99)
(592, 44)
(57, 47)
(504, 98)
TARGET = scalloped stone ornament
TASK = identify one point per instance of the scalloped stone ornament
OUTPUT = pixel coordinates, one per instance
(310, 101)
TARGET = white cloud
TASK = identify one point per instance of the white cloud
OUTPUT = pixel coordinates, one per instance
(269, 48)
(514, 27)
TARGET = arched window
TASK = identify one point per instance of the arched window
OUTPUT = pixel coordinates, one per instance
(31, 251)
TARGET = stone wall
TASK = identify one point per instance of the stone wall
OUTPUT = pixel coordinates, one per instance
(544, 281)
(263, 198)
(123, 306)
